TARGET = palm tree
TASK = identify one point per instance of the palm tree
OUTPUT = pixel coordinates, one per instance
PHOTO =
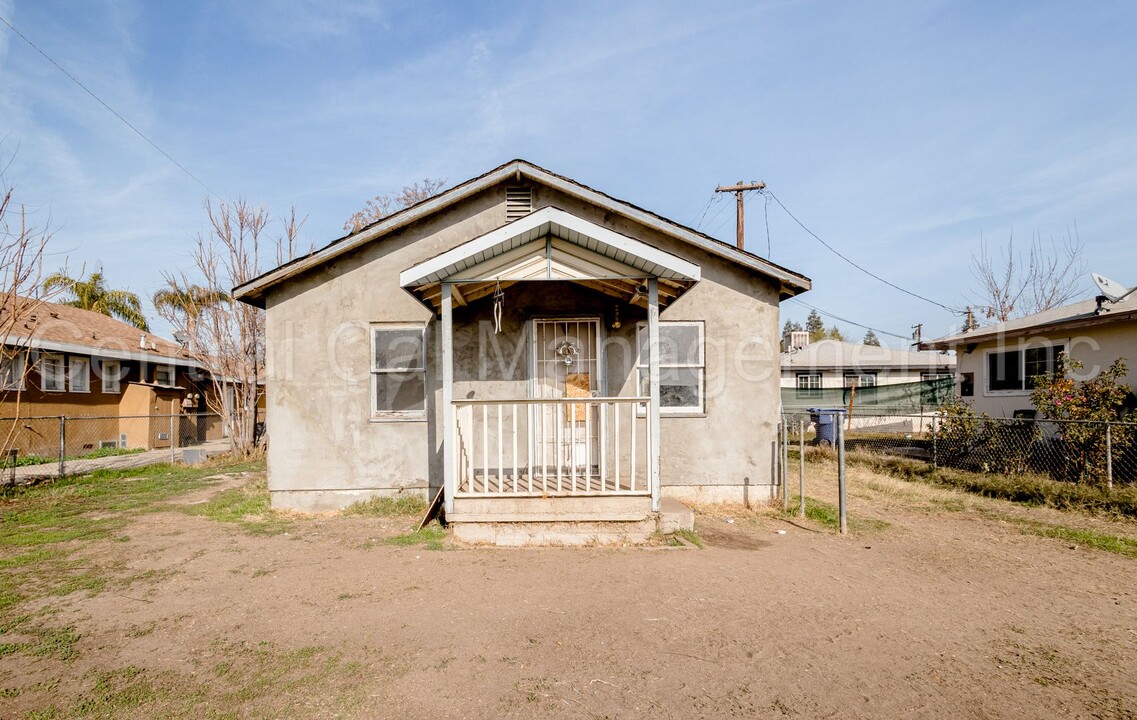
(93, 294)
(190, 301)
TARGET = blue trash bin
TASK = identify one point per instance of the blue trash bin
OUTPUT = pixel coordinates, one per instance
(826, 420)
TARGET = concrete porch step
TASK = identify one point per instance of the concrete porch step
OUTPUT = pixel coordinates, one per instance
(509, 521)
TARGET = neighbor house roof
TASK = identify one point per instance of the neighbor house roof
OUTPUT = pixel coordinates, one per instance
(1081, 314)
(839, 355)
(253, 291)
(62, 328)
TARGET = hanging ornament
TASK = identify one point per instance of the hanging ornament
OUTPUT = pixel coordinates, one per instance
(568, 352)
(498, 306)
(615, 317)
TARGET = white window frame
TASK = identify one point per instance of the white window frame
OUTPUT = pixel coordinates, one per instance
(930, 376)
(79, 382)
(12, 372)
(700, 366)
(807, 392)
(1059, 347)
(859, 376)
(378, 415)
(169, 369)
(59, 378)
(111, 381)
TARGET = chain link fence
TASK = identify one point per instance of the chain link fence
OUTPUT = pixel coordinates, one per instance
(1073, 451)
(54, 446)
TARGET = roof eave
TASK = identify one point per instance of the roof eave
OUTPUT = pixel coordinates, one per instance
(253, 291)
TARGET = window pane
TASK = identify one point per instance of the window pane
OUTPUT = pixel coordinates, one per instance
(400, 392)
(398, 349)
(80, 375)
(678, 387)
(678, 344)
(1004, 371)
(1039, 362)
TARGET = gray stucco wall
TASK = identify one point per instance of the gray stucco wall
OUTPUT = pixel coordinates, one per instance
(325, 451)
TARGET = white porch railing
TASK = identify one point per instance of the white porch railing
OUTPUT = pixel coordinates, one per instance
(552, 447)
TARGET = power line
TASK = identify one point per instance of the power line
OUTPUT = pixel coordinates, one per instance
(108, 107)
(850, 322)
(698, 219)
(871, 274)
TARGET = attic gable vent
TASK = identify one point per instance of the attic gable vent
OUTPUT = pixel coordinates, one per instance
(518, 202)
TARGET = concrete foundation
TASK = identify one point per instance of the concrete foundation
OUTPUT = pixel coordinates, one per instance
(712, 494)
(575, 521)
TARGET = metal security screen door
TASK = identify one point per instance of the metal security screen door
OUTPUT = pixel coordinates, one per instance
(567, 364)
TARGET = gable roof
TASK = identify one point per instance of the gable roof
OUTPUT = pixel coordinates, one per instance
(1081, 314)
(62, 328)
(253, 292)
(838, 355)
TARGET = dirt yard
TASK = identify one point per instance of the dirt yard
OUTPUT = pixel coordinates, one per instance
(199, 604)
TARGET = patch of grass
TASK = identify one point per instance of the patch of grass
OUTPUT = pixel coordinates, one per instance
(1085, 538)
(397, 505)
(431, 537)
(829, 515)
(43, 528)
(247, 506)
(27, 460)
(690, 536)
(1027, 489)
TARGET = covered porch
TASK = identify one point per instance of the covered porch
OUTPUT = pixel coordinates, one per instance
(551, 440)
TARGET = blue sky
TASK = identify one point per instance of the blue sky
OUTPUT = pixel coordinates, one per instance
(898, 132)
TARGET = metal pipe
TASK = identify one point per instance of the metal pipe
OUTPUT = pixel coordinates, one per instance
(841, 477)
(801, 467)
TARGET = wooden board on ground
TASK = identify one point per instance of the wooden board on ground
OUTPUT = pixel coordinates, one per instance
(431, 510)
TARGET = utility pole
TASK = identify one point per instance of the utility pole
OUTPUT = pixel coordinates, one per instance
(917, 331)
(739, 189)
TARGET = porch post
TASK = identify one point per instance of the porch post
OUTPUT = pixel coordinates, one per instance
(448, 433)
(653, 387)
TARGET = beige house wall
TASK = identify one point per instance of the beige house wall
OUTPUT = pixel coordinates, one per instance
(1096, 348)
(326, 451)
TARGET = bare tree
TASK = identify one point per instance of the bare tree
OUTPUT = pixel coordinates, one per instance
(1015, 284)
(22, 247)
(228, 337)
(381, 206)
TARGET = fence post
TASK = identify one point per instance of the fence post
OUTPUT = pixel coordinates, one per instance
(1108, 457)
(841, 475)
(785, 462)
(173, 445)
(801, 468)
(935, 454)
(62, 444)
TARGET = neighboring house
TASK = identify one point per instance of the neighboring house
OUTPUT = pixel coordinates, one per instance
(495, 340)
(64, 361)
(997, 364)
(809, 369)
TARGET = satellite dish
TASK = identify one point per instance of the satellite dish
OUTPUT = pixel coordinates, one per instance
(181, 337)
(1110, 290)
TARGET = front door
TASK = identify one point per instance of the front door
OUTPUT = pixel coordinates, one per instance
(566, 364)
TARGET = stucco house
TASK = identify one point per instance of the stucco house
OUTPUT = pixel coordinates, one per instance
(997, 364)
(540, 350)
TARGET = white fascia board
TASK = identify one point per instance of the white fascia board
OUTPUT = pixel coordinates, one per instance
(436, 268)
(98, 352)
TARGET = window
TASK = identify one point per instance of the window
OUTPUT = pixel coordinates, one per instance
(862, 382)
(398, 371)
(682, 370)
(164, 375)
(79, 375)
(12, 371)
(51, 373)
(112, 376)
(930, 376)
(809, 385)
(1016, 370)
